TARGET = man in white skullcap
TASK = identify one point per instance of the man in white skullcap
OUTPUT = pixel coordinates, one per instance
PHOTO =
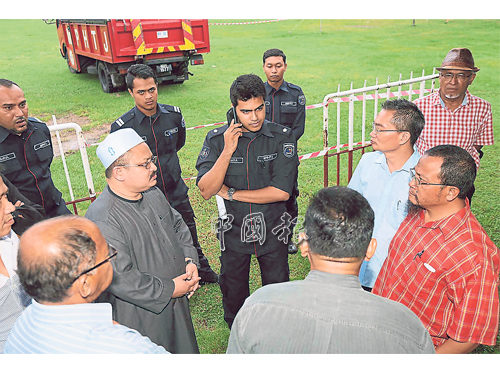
(156, 269)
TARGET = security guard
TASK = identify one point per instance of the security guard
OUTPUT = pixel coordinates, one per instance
(251, 164)
(285, 105)
(163, 129)
(26, 151)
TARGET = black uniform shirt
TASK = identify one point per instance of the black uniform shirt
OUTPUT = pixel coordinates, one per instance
(268, 159)
(287, 106)
(165, 134)
(25, 161)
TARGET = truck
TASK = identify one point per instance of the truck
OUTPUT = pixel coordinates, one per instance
(108, 47)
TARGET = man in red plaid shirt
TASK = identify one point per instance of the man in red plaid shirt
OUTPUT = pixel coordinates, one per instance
(441, 263)
(452, 114)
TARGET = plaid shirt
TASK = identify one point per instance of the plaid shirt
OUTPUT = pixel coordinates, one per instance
(446, 272)
(468, 125)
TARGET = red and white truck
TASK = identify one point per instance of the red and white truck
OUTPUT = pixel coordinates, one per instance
(109, 47)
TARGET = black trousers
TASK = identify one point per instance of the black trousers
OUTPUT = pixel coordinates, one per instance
(187, 213)
(234, 277)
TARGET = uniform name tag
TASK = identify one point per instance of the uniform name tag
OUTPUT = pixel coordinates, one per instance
(169, 132)
(236, 160)
(262, 158)
(6, 157)
(40, 145)
(292, 104)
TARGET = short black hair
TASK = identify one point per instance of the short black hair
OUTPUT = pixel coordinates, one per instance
(7, 83)
(246, 87)
(138, 71)
(339, 223)
(407, 116)
(458, 168)
(273, 52)
(50, 280)
(123, 159)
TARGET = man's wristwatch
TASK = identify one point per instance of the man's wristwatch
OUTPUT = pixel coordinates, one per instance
(230, 193)
(189, 261)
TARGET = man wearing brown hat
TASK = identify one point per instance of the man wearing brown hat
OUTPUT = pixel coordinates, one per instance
(452, 114)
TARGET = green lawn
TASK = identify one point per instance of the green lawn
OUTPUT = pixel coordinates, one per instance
(343, 51)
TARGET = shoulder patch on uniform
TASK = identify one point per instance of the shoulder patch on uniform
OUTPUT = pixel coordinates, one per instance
(124, 119)
(289, 149)
(205, 151)
(302, 99)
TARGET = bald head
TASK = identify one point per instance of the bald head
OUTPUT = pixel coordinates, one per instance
(53, 253)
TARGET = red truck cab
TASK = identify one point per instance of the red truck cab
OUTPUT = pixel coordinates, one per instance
(109, 47)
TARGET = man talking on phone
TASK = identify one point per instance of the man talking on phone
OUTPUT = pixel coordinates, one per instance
(250, 163)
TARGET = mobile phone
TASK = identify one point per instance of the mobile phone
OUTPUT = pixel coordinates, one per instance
(231, 115)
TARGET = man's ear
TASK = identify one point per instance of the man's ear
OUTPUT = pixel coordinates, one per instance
(118, 173)
(372, 247)
(405, 137)
(304, 246)
(84, 286)
(452, 194)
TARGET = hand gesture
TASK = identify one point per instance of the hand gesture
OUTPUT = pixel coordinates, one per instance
(231, 136)
(185, 284)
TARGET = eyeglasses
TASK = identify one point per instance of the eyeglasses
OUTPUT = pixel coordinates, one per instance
(413, 176)
(145, 165)
(111, 248)
(378, 131)
(460, 76)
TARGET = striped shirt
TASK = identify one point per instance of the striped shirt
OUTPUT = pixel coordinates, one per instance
(13, 298)
(446, 272)
(468, 125)
(85, 328)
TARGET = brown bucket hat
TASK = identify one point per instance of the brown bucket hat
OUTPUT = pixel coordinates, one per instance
(459, 58)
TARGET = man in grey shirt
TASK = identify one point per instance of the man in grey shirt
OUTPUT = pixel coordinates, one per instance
(155, 270)
(329, 312)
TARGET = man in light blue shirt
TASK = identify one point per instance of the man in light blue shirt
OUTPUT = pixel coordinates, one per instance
(382, 176)
(64, 265)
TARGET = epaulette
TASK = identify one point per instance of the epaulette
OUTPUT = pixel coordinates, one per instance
(34, 119)
(218, 131)
(293, 86)
(124, 118)
(170, 108)
(279, 129)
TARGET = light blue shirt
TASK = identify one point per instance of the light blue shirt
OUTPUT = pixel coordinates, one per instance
(85, 328)
(387, 194)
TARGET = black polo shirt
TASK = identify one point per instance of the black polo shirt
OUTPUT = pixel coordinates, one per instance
(165, 134)
(265, 158)
(25, 161)
(287, 106)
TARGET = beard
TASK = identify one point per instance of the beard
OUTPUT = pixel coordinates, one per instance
(412, 209)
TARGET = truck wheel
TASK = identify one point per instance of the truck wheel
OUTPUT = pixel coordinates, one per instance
(71, 69)
(104, 78)
(66, 56)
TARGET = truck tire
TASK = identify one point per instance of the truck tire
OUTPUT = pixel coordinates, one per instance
(71, 69)
(65, 55)
(104, 78)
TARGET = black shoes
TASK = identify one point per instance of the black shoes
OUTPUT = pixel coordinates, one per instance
(208, 277)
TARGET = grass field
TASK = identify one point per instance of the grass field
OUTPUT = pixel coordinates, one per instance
(320, 57)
